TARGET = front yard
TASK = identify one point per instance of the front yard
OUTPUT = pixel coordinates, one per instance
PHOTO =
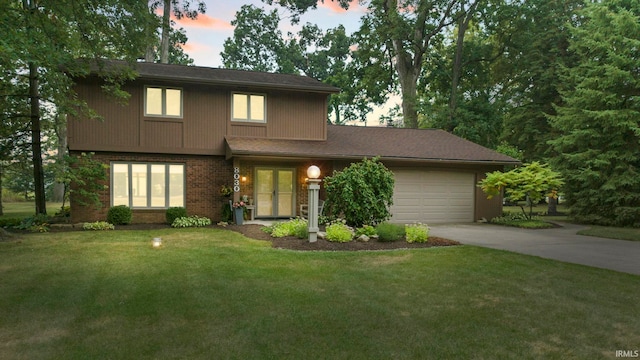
(210, 293)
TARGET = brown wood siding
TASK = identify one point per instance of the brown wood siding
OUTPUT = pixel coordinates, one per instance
(162, 133)
(206, 110)
(249, 130)
(487, 208)
(205, 122)
(297, 116)
(119, 126)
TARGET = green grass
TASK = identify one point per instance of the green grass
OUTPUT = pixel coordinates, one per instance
(611, 232)
(528, 224)
(541, 209)
(212, 293)
(26, 209)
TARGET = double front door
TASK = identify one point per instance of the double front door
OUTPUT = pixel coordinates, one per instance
(275, 192)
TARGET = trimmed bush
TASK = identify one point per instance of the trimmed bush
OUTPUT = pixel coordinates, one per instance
(174, 213)
(390, 232)
(294, 227)
(119, 215)
(361, 193)
(98, 225)
(417, 233)
(339, 232)
(367, 230)
(191, 221)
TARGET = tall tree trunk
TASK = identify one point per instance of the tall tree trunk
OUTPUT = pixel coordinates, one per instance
(61, 133)
(408, 74)
(166, 27)
(36, 142)
(457, 67)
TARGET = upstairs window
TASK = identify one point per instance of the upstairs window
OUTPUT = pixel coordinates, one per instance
(248, 107)
(163, 102)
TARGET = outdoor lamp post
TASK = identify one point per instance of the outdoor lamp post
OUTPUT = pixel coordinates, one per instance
(313, 174)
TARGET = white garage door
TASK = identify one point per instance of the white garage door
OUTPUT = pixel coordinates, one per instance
(432, 196)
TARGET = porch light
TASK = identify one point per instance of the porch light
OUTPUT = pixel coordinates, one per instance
(244, 179)
(157, 242)
(313, 172)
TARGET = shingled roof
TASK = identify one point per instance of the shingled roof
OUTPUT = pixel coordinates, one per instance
(226, 77)
(356, 142)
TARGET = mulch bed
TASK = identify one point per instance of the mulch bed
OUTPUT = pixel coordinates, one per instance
(293, 243)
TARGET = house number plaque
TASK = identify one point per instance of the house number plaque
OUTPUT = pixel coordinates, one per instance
(236, 179)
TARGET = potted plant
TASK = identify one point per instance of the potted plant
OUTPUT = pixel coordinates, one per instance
(238, 211)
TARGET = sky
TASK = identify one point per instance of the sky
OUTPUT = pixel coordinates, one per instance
(208, 32)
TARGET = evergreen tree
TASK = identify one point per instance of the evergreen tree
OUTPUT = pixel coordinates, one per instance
(599, 121)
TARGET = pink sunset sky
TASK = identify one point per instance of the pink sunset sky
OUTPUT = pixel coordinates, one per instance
(208, 33)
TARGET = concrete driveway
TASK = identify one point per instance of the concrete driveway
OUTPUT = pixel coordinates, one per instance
(559, 244)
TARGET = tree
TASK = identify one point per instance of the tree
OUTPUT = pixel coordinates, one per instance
(531, 183)
(405, 31)
(599, 119)
(362, 193)
(42, 45)
(458, 91)
(257, 43)
(400, 33)
(169, 36)
(529, 72)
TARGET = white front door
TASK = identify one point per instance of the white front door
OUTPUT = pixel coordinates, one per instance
(275, 192)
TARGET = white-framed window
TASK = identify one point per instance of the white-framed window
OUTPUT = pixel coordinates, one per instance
(248, 107)
(162, 101)
(147, 185)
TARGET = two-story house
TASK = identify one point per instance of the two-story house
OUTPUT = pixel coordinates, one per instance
(187, 131)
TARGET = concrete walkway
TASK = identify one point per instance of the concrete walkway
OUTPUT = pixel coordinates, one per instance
(559, 244)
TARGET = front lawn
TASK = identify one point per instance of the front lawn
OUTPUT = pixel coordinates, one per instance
(24, 209)
(611, 232)
(211, 293)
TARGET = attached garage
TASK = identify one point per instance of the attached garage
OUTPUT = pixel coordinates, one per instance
(430, 196)
(435, 172)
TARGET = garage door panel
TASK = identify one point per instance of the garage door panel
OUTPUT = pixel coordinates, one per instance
(433, 196)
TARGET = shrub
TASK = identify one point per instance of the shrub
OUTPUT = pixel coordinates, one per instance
(35, 223)
(191, 221)
(64, 212)
(390, 232)
(366, 230)
(293, 227)
(174, 213)
(361, 193)
(98, 225)
(417, 233)
(339, 232)
(10, 222)
(119, 215)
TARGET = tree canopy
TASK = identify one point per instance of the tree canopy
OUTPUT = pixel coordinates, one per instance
(42, 41)
(598, 120)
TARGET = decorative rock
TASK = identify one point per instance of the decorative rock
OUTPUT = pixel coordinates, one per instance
(363, 238)
(375, 237)
(322, 235)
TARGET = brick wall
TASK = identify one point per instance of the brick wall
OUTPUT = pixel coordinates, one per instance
(204, 176)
